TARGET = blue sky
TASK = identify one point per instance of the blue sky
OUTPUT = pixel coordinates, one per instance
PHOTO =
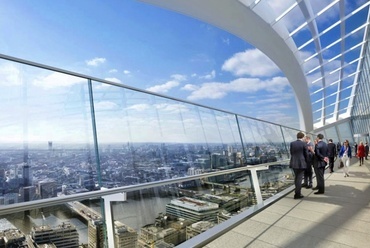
(150, 48)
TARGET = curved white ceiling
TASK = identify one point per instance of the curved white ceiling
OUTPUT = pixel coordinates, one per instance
(316, 44)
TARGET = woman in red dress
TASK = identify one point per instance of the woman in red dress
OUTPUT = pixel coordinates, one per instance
(361, 153)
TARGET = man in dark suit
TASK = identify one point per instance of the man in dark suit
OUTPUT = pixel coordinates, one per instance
(332, 153)
(366, 150)
(321, 154)
(308, 172)
(298, 158)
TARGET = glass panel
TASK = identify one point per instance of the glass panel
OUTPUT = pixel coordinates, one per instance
(275, 179)
(145, 138)
(45, 135)
(290, 135)
(293, 19)
(345, 133)
(171, 214)
(331, 133)
(262, 141)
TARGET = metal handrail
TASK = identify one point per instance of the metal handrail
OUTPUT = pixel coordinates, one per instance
(23, 206)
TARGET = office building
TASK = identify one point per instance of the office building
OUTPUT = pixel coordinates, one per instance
(10, 236)
(64, 235)
(47, 188)
(27, 175)
(9, 198)
(197, 228)
(28, 193)
(192, 209)
(95, 233)
(158, 236)
(124, 235)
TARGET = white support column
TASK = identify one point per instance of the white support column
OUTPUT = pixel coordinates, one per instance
(255, 181)
(108, 214)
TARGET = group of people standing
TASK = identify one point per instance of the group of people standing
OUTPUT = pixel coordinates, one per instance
(306, 155)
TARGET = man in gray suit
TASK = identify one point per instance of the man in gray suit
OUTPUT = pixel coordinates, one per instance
(298, 162)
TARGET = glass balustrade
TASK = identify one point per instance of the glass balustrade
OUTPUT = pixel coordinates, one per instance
(170, 168)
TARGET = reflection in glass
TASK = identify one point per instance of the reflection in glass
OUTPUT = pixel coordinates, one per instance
(263, 142)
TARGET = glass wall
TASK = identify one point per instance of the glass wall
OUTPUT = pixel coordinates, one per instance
(361, 108)
(65, 135)
(331, 133)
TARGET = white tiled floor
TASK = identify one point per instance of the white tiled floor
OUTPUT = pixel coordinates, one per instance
(339, 218)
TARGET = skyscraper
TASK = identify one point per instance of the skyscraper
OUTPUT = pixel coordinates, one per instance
(27, 175)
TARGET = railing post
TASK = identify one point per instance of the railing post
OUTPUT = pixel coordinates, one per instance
(108, 214)
(256, 185)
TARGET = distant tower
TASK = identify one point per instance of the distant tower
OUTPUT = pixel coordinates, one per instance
(25, 155)
(257, 151)
(27, 175)
(50, 148)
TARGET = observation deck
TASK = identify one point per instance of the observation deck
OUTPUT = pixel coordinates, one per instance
(338, 218)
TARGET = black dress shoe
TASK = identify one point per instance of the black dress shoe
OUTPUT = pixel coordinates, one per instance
(298, 196)
(315, 188)
(304, 185)
(319, 193)
(308, 186)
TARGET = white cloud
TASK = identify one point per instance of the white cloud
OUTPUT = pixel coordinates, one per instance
(209, 76)
(178, 77)
(9, 75)
(190, 87)
(172, 108)
(251, 62)
(102, 86)
(139, 107)
(126, 72)
(113, 71)
(209, 91)
(114, 80)
(329, 66)
(277, 116)
(216, 90)
(56, 79)
(105, 105)
(163, 88)
(95, 61)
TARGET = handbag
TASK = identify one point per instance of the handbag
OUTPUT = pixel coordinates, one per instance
(341, 164)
